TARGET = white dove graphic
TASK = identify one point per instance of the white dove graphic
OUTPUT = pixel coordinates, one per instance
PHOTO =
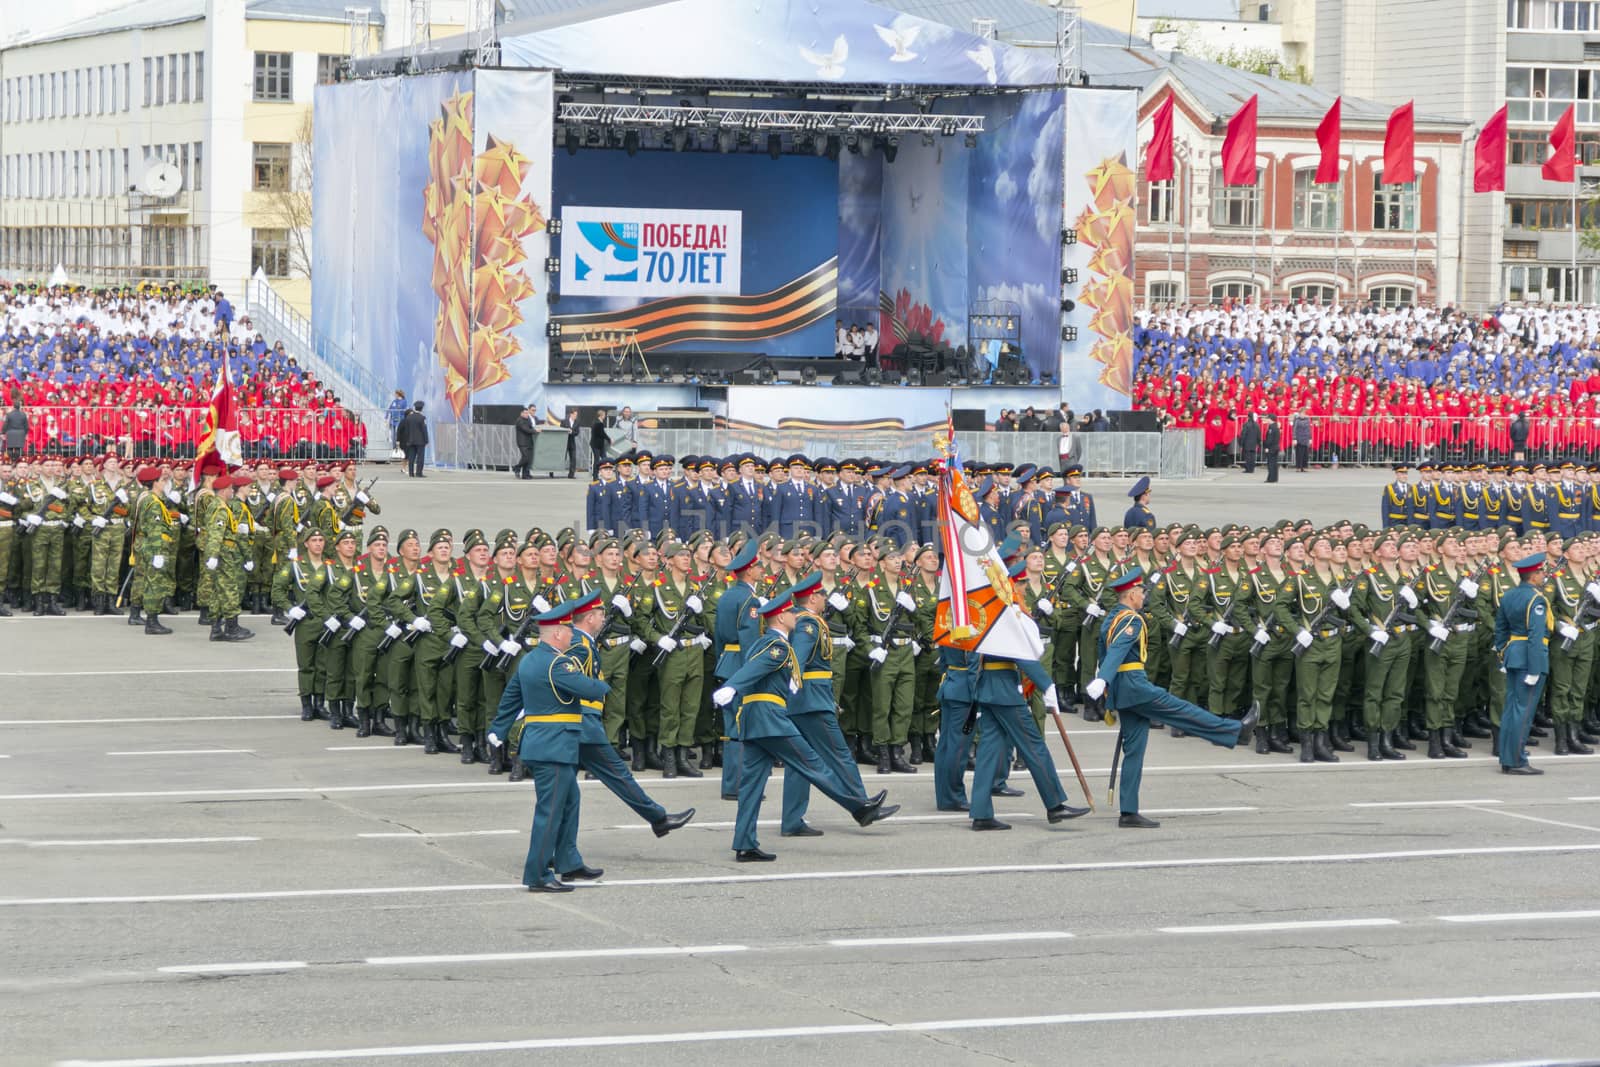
(984, 57)
(899, 41)
(830, 66)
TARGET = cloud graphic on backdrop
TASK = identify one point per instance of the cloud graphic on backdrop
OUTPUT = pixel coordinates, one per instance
(1005, 186)
(1041, 181)
(899, 42)
(985, 59)
(830, 65)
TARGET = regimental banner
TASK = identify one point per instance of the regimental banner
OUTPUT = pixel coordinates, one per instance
(645, 252)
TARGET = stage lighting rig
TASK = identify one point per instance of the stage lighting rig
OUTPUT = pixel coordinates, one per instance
(1069, 276)
(1069, 333)
(1069, 235)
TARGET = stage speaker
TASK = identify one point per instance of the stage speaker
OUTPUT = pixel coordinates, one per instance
(1133, 421)
(495, 414)
(967, 420)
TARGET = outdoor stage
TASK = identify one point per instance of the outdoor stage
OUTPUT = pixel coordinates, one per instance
(529, 233)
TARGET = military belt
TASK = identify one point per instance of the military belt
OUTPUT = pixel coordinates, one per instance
(593, 705)
(817, 676)
(1137, 666)
(613, 642)
(561, 717)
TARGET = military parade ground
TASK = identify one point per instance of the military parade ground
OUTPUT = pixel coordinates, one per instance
(196, 876)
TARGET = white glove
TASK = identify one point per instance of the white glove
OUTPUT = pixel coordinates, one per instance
(904, 600)
(849, 643)
(331, 624)
(59, 493)
(1044, 607)
(1569, 631)
(7, 499)
(122, 495)
(357, 623)
(494, 739)
(1594, 589)
(724, 696)
(249, 565)
(99, 523)
(158, 561)
(459, 640)
(363, 498)
(878, 655)
(392, 631)
(1380, 635)
(541, 605)
(916, 648)
(1438, 632)
(622, 604)
(421, 623)
(1049, 698)
(1096, 688)
(1219, 628)
(1409, 595)
(510, 647)
(1303, 638)
(1469, 588)
(1342, 598)
(666, 644)
(77, 522)
(838, 601)
(761, 601)
(1180, 628)
(244, 527)
(1531, 680)
(211, 564)
(1094, 610)
(172, 495)
(183, 519)
(636, 646)
(488, 646)
(1261, 636)
(694, 603)
(703, 641)
(36, 519)
(294, 553)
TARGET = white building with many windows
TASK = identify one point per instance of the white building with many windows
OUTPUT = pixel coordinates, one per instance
(170, 139)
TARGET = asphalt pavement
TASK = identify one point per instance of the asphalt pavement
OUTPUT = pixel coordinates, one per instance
(193, 876)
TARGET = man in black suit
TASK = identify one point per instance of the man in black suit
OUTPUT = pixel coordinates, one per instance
(1274, 445)
(527, 432)
(413, 439)
(599, 443)
(1249, 443)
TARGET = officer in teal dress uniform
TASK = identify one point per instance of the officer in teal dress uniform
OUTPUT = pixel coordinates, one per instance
(957, 668)
(1140, 515)
(761, 690)
(546, 693)
(1121, 679)
(735, 632)
(1521, 637)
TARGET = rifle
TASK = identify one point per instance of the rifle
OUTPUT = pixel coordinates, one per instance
(1588, 611)
(1397, 617)
(895, 611)
(454, 650)
(349, 633)
(503, 660)
(120, 496)
(1453, 606)
(289, 627)
(1328, 608)
(1227, 616)
(677, 627)
(355, 499)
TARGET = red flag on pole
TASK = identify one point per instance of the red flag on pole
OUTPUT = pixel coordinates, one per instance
(1562, 166)
(219, 449)
(1489, 156)
(1400, 146)
(1239, 147)
(1158, 157)
(1328, 141)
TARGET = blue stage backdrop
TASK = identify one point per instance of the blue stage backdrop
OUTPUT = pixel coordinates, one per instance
(786, 253)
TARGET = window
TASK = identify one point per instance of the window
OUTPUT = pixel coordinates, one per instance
(1312, 294)
(127, 86)
(1516, 282)
(1232, 291)
(1235, 205)
(1162, 292)
(1571, 15)
(269, 252)
(1394, 207)
(77, 92)
(107, 89)
(148, 68)
(271, 163)
(185, 61)
(172, 79)
(274, 77)
(199, 77)
(199, 170)
(1160, 201)
(1316, 206)
(161, 81)
(1541, 94)
(328, 68)
(1392, 296)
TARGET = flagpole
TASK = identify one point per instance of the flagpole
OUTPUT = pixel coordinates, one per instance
(1573, 290)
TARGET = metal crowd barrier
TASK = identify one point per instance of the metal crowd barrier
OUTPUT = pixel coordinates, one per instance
(1386, 440)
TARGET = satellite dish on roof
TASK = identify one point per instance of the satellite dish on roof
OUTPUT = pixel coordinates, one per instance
(161, 180)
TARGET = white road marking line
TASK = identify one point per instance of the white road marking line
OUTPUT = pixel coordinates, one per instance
(1535, 818)
(824, 876)
(366, 748)
(141, 718)
(173, 670)
(1519, 916)
(683, 1037)
(230, 968)
(1193, 811)
(1584, 798)
(187, 752)
(450, 833)
(558, 954)
(953, 939)
(1420, 803)
(1252, 928)
(69, 843)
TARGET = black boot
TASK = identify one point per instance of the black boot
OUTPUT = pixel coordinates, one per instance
(443, 740)
(1374, 747)
(716, 754)
(638, 755)
(319, 706)
(5, 612)
(1543, 720)
(102, 604)
(416, 733)
(1472, 726)
(1399, 740)
(278, 618)
(1563, 748)
(914, 750)
(1320, 748)
(1494, 738)
(1277, 739)
(378, 727)
(40, 606)
(897, 764)
(866, 754)
(232, 631)
(1336, 738)
(1092, 713)
(685, 763)
(883, 759)
(497, 759)
(55, 604)
(1386, 745)
(335, 718)
(1453, 737)
(216, 630)
(469, 747)
(1582, 733)
(401, 733)
(1575, 741)
(708, 755)
(1307, 748)
(1261, 741)
(1358, 729)
(152, 625)
(363, 722)
(306, 714)
(1415, 729)
(519, 770)
(205, 617)
(430, 738)
(135, 616)
(652, 754)
(669, 766)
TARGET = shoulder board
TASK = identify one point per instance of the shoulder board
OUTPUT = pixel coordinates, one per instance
(1372, 570)
(629, 579)
(1430, 568)
(1169, 568)
(656, 582)
(1213, 570)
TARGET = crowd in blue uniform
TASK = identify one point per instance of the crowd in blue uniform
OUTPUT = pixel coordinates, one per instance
(1560, 499)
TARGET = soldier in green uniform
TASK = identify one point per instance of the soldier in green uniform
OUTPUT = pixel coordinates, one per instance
(1448, 616)
(617, 638)
(1270, 646)
(299, 592)
(75, 579)
(351, 501)
(643, 697)
(1032, 595)
(287, 521)
(1379, 603)
(924, 587)
(338, 604)
(108, 501)
(1228, 636)
(155, 547)
(855, 696)
(885, 613)
(1060, 560)
(366, 638)
(9, 510)
(498, 615)
(225, 551)
(435, 682)
(1570, 590)
(1185, 584)
(257, 496)
(47, 505)
(1092, 592)
(670, 620)
(1309, 603)
(203, 508)
(404, 604)
(469, 588)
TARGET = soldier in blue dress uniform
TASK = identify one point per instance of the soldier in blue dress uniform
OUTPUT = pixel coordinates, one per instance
(1078, 505)
(1395, 507)
(1521, 638)
(1121, 679)
(1139, 516)
(760, 692)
